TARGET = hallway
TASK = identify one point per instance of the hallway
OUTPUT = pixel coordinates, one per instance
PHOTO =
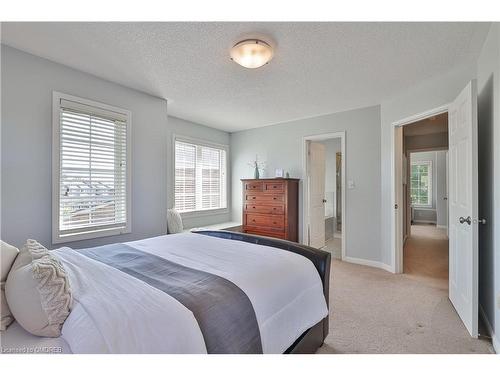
(426, 255)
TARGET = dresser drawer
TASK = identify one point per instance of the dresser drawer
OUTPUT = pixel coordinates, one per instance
(271, 221)
(254, 186)
(278, 187)
(266, 234)
(265, 198)
(264, 209)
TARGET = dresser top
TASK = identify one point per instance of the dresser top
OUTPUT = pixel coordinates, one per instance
(270, 179)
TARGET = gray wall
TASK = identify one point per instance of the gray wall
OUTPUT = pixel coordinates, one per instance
(488, 79)
(281, 147)
(26, 148)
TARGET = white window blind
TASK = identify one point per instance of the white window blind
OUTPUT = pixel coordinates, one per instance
(200, 177)
(93, 178)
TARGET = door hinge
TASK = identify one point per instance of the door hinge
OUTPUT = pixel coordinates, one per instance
(396, 206)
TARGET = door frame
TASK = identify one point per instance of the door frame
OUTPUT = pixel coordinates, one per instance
(397, 246)
(305, 179)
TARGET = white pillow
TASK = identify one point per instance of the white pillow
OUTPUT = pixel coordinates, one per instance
(38, 291)
(8, 254)
(174, 221)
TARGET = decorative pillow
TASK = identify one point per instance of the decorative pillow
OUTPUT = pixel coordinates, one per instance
(174, 221)
(8, 254)
(38, 291)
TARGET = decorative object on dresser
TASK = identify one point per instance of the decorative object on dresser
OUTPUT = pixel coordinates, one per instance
(270, 207)
(257, 165)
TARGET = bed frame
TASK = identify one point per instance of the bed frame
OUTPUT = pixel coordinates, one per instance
(314, 337)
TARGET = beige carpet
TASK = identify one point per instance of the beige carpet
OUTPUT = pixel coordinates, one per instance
(374, 311)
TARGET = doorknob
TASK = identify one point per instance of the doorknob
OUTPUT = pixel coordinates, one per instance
(463, 220)
(479, 221)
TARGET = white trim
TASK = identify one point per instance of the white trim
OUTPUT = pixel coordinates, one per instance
(369, 263)
(442, 226)
(86, 233)
(489, 329)
(305, 190)
(199, 142)
(397, 250)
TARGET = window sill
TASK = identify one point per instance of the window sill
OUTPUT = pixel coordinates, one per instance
(193, 214)
(89, 235)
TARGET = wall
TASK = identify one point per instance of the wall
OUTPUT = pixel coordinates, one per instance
(177, 126)
(488, 79)
(281, 146)
(432, 93)
(428, 141)
(26, 147)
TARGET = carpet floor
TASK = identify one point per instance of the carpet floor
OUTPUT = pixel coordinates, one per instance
(374, 311)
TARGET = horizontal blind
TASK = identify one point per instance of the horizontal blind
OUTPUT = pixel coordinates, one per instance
(200, 177)
(93, 157)
(185, 176)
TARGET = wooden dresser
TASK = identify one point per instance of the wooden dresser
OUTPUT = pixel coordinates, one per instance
(270, 207)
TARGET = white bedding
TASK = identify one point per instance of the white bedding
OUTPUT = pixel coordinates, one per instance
(117, 313)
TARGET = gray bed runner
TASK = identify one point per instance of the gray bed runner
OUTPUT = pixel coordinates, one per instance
(224, 312)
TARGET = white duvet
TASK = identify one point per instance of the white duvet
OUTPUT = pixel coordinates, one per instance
(117, 313)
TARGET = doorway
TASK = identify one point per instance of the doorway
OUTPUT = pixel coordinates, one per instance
(462, 201)
(425, 199)
(324, 193)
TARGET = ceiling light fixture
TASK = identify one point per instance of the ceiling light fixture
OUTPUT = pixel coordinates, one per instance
(251, 53)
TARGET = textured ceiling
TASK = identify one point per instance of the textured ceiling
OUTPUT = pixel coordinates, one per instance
(318, 68)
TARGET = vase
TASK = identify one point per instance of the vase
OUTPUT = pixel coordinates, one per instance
(256, 173)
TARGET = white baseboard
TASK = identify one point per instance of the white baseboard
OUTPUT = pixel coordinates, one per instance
(370, 263)
(442, 226)
(494, 339)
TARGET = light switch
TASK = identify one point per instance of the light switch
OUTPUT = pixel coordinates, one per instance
(351, 184)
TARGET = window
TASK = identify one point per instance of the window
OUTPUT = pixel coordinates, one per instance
(200, 176)
(91, 194)
(421, 183)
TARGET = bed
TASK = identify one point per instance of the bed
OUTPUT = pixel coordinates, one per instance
(203, 292)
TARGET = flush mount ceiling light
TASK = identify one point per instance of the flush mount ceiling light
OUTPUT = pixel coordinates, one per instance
(251, 53)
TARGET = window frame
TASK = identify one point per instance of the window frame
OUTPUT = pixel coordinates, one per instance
(95, 232)
(430, 187)
(200, 142)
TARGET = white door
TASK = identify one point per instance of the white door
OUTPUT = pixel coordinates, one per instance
(316, 159)
(463, 207)
(398, 204)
